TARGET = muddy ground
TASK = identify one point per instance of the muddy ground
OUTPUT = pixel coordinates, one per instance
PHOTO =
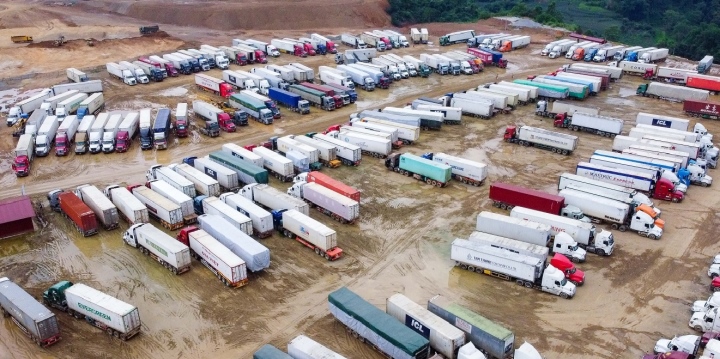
(401, 244)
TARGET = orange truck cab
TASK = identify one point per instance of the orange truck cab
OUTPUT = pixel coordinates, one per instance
(579, 54)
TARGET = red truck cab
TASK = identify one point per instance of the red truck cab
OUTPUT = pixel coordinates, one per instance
(183, 235)
(123, 141)
(331, 47)
(298, 51)
(62, 144)
(309, 49)
(260, 57)
(21, 166)
(181, 128)
(668, 355)
(665, 190)
(171, 71)
(226, 90)
(226, 123)
(573, 274)
(327, 91)
(715, 284)
(388, 43)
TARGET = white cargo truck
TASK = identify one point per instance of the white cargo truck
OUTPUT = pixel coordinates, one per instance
(662, 121)
(311, 233)
(102, 310)
(523, 94)
(348, 153)
(226, 177)
(533, 91)
(513, 228)
(543, 108)
(226, 265)
(445, 338)
(672, 92)
(406, 133)
(104, 209)
(273, 199)
(303, 347)
(475, 107)
(214, 206)
(255, 255)
(511, 99)
(92, 105)
(370, 145)
(275, 163)
(204, 184)
(601, 125)
(177, 197)
(69, 106)
(127, 76)
(66, 135)
(499, 101)
(243, 154)
(451, 115)
(169, 252)
(129, 207)
(168, 213)
(173, 178)
(541, 138)
(327, 201)
(287, 143)
(569, 179)
(327, 153)
(377, 128)
(262, 221)
(110, 133)
(511, 245)
(96, 132)
(463, 170)
(46, 136)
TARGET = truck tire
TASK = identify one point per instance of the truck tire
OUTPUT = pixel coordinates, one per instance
(698, 328)
(564, 296)
(317, 251)
(652, 236)
(599, 252)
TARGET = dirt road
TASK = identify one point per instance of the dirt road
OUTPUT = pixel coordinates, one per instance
(401, 244)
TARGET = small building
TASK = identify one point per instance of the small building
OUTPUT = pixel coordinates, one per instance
(16, 216)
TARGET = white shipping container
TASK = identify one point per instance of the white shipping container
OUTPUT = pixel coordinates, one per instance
(275, 161)
(571, 109)
(326, 151)
(255, 255)
(214, 206)
(287, 144)
(174, 195)
(580, 231)
(131, 208)
(159, 206)
(513, 228)
(523, 94)
(512, 99)
(104, 209)
(533, 90)
(637, 132)
(662, 121)
(511, 245)
(499, 101)
(273, 199)
(345, 150)
(597, 207)
(114, 313)
(497, 260)
(175, 179)
(262, 221)
(243, 154)
(167, 248)
(461, 167)
(226, 177)
(597, 122)
(548, 138)
(675, 92)
(204, 184)
(303, 347)
(218, 258)
(631, 179)
(364, 131)
(367, 143)
(406, 133)
(316, 233)
(444, 337)
(683, 157)
(328, 199)
(474, 106)
(573, 180)
(692, 148)
(688, 135)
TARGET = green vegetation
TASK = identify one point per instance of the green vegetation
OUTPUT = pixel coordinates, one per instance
(688, 28)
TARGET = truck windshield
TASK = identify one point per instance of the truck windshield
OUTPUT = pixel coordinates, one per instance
(563, 282)
(107, 142)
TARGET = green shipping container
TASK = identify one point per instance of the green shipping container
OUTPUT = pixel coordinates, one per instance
(433, 170)
(248, 169)
(552, 88)
(247, 101)
(270, 352)
(308, 90)
(379, 322)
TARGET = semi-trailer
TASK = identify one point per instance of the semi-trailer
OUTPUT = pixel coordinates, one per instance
(575, 91)
(652, 170)
(463, 170)
(329, 183)
(405, 119)
(428, 119)
(349, 154)
(507, 196)
(456, 37)
(105, 211)
(525, 270)
(433, 173)
(92, 105)
(363, 131)
(214, 206)
(594, 83)
(288, 143)
(70, 105)
(672, 92)
(109, 314)
(204, 184)
(349, 95)
(34, 319)
(338, 206)
(408, 134)
(24, 108)
(327, 152)
(168, 191)
(473, 106)
(451, 115)
(658, 187)
(606, 189)
(328, 92)
(246, 172)
(136, 71)
(121, 73)
(379, 78)
(532, 136)
(642, 130)
(226, 265)
(358, 77)
(268, 49)
(212, 119)
(23, 155)
(46, 136)
(369, 144)
(129, 207)
(161, 129)
(673, 75)
(381, 330)
(315, 97)
(168, 213)
(73, 208)
(109, 133)
(276, 164)
(303, 347)
(273, 78)
(309, 232)
(255, 108)
(702, 109)
(293, 101)
(65, 135)
(273, 199)
(145, 129)
(226, 177)
(381, 129)
(126, 132)
(600, 125)
(165, 66)
(546, 91)
(167, 251)
(329, 45)
(158, 172)
(676, 123)
(262, 221)
(704, 82)
(255, 255)
(705, 64)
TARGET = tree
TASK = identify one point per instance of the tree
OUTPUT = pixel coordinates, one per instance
(612, 33)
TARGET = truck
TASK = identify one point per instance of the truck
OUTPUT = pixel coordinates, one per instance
(273, 199)
(238, 55)
(126, 132)
(287, 143)
(214, 85)
(226, 177)
(621, 54)
(177, 197)
(88, 87)
(329, 45)
(69, 106)
(91, 105)
(23, 155)
(276, 164)
(262, 220)
(255, 255)
(382, 130)
(532, 136)
(309, 232)
(422, 169)
(705, 64)
(170, 253)
(110, 132)
(327, 91)
(308, 48)
(253, 54)
(508, 196)
(514, 43)
(285, 73)
(673, 75)
(647, 71)
(273, 78)
(150, 71)
(136, 71)
(558, 110)
(72, 207)
(121, 73)
(165, 66)
(289, 47)
(445, 339)
(214, 118)
(358, 77)
(566, 233)
(329, 75)
(182, 65)
(369, 144)
(377, 76)
(161, 129)
(268, 49)
(348, 95)
(672, 92)
(76, 75)
(353, 41)
(701, 109)
(109, 314)
(590, 54)
(269, 104)
(614, 73)
(197, 63)
(182, 122)
(258, 85)
(619, 214)
(594, 84)
(408, 134)
(215, 56)
(642, 130)
(255, 108)
(158, 172)
(66, 135)
(704, 82)
(327, 153)
(605, 76)
(24, 108)
(129, 207)
(489, 57)
(456, 37)
(659, 187)
(653, 56)
(404, 65)
(513, 228)
(600, 125)
(204, 184)
(607, 53)
(239, 80)
(146, 129)
(389, 40)
(363, 131)
(404, 118)
(243, 153)
(214, 206)
(428, 119)
(46, 136)
(383, 332)
(320, 47)
(525, 270)
(511, 99)
(168, 213)
(472, 106)
(329, 183)
(34, 319)
(337, 206)
(226, 265)
(303, 347)
(575, 91)
(438, 66)
(390, 68)
(546, 91)
(104, 209)
(348, 153)
(415, 35)
(421, 67)
(50, 104)
(246, 172)
(606, 189)
(315, 97)
(463, 170)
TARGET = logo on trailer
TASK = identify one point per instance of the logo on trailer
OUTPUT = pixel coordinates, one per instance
(94, 311)
(158, 248)
(661, 123)
(410, 322)
(463, 325)
(211, 173)
(304, 231)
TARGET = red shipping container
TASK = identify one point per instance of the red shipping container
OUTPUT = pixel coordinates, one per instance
(79, 213)
(333, 184)
(507, 195)
(701, 108)
(704, 82)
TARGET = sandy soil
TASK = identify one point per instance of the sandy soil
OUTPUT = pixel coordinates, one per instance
(401, 243)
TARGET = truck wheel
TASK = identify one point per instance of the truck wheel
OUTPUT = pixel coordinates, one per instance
(565, 152)
(317, 251)
(554, 150)
(528, 285)
(622, 228)
(716, 289)
(471, 268)
(704, 184)
(675, 200)
(564, 296)
(599, 252)
(698, 328)
(652, 236)
(575, 260)
(109, 331)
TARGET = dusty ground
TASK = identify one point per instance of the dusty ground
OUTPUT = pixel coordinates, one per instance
(401, 244)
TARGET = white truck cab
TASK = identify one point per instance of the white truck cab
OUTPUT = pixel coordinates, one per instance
(705, 321)
(705, 305)
(686, 344)
(554, 281)
(565, 244)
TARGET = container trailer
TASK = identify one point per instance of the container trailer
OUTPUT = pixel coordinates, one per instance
(104, 209)
(370, 145)
(671, 92)
(507, 196)
(433, 173)
(676, 123)
(327, 153)
(660, 188)
(309, 232)
(168, 213)
(303, 347)
(273, 199)
(600, 125)
(566, 110)
(293, 101)
(72, 207)
(463, 170)
(168, 191)
(204, 184)
(158, 172)
(226, 177)
(339, 207)
(170, 253)
(704, 82)
(226, 265)
(129, 207)
(702, 109)
(34, 319)
(262, 221)
(408, 134)
(255, 255)
(349, 154)
(456, 37)
(532, 136)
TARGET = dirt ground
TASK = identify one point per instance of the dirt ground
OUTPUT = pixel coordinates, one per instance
(401, 244)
